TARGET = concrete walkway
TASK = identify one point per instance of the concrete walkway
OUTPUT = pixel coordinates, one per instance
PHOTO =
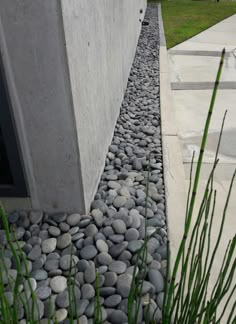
(192, 67)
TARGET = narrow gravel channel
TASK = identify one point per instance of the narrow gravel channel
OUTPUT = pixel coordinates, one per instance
(108, 238)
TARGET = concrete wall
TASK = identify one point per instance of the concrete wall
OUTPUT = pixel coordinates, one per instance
(34, 55)
(66, 86)
(101, 47)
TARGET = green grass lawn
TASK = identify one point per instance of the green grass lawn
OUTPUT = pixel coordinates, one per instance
(186, 18)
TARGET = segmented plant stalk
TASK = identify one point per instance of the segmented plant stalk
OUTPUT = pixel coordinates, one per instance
(8, 236)
(71, 291)
(135, 294)
(98, 307)
(169, 297)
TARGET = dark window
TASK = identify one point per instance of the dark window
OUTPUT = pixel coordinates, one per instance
(12, 181)
(5, 171)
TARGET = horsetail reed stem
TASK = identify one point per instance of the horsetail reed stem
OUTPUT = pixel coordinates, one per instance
(193, 196)
(97, 307)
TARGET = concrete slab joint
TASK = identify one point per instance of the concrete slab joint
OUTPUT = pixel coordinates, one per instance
(173, 167)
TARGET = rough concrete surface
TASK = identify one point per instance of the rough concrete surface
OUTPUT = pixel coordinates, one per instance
(100, 56)
(66, 64)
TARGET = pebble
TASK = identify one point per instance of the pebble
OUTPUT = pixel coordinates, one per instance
(118, 317)
(137, 165)
(9, 297)
(63, 241)
(104, 258)
(135, 221)
(108, 230)
(114, 185)
(71, 249)
(88, 252)
(118, 267)
(98, 217)
(54, 231)
(50, 306)
(73, 219)
(49, 245)
(162, 250)
(83, 304)
(23, 220)
(44, 321)
(59, 217)
(99, 204)
(64, 227)
(30, 284)
(7, 263)
(83, 320)
(119, 226)
(91, 230)
(110, 279)
(131, 234)
(35, 217)
(13, 217)
(38, 309)
(90, 273)
(60, 315)
(56, 272)
(87, 291)
(19, 233)
(134, 246)
(101, 246)
(62, 299)
(112, 301)
(107, 291)
(152, 245)
(39, 274)
(43, 292)
(58, 284)
(123, 285)
(155, 277)
(102, 269)
(77, 236)
(25, 267)
(160, 299)
(73, 231)
(34, 253)
(117, 249)
(119, 201)
(82, 265)
(34, 241)
(68, 261)
(84, 222)
(125, 256)
(116, 238)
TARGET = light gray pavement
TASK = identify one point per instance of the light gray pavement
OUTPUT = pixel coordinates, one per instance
(192, 68)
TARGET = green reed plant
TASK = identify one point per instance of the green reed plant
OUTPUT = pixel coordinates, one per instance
(97, 306)
(188, 300)
(135, 294)
(9, 314)
(73, 313)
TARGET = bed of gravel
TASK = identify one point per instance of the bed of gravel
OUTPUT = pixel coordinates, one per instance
(108, 238)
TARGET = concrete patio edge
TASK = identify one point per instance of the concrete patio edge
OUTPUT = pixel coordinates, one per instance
(174, 176)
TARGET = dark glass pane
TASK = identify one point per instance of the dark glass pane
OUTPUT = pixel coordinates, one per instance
(5, 172)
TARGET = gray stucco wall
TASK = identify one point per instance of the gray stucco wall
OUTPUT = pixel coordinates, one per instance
(66, 87)
(101, 47)
(34, 56)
